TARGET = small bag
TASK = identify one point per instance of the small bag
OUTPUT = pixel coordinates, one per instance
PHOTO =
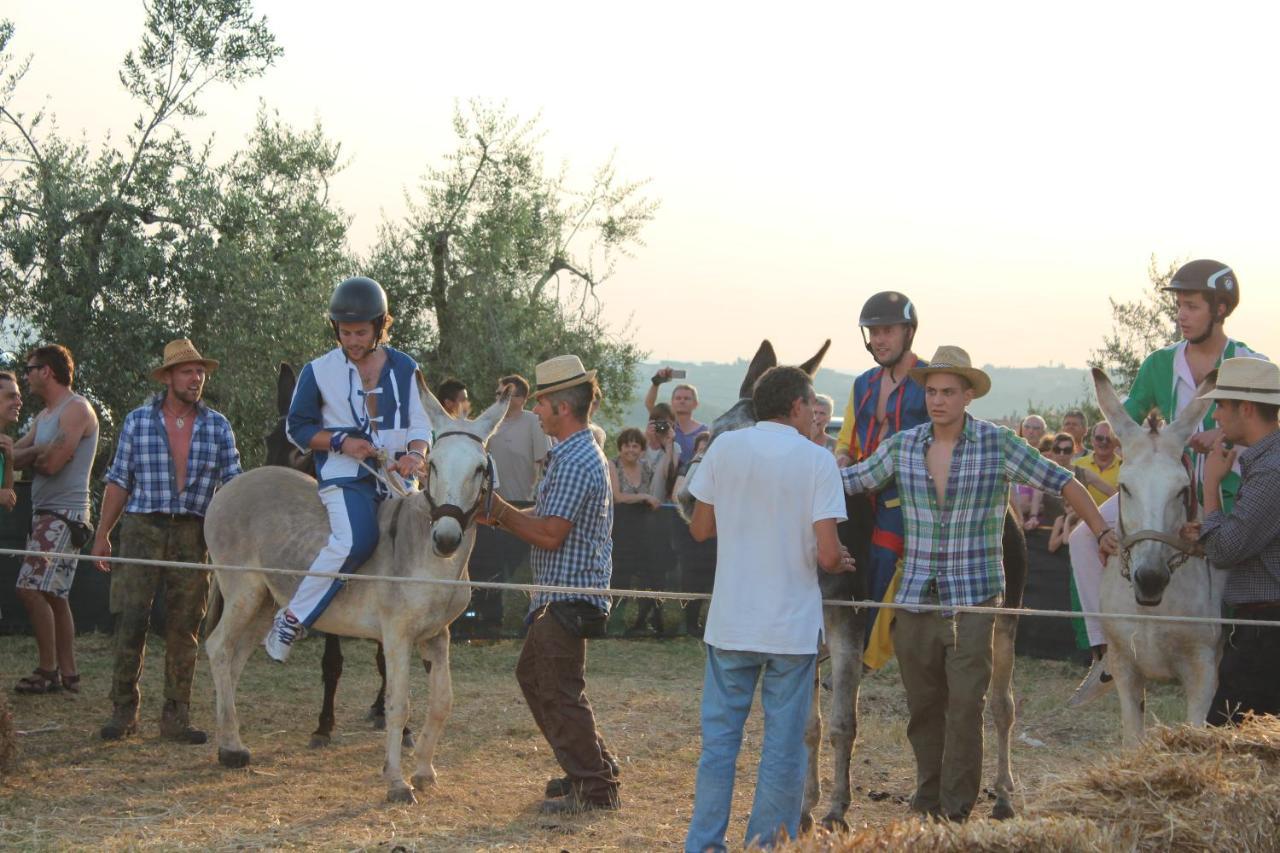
(579, 618)
(80, 532)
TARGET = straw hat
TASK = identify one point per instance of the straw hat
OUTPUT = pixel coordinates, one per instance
(181, 351)
(1249, 379)
(955, 361)
(559, 373)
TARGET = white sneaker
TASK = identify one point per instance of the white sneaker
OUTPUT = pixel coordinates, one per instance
(284, 631)
(1095, 684)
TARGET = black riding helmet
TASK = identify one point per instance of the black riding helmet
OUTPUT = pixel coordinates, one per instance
(888, 308)
(1215, 280)
(358, 300)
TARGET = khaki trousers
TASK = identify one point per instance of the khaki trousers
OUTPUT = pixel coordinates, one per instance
(946, 668)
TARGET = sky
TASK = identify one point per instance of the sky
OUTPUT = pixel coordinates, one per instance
(1009, 166)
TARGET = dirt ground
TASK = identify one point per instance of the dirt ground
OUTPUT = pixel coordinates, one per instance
(68, 789)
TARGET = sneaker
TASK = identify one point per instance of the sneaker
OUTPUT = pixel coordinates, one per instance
(1095, 684)
(284, 631)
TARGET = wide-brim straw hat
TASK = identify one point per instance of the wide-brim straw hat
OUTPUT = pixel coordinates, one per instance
(953, 360)
(1249, 379)
(182, 351)
(559, 373)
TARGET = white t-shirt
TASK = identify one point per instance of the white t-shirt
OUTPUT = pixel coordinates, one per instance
(769, 485)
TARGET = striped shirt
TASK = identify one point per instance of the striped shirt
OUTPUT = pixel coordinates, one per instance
(576, 487)
(955, 553)
(143, 466)
(1247, 541)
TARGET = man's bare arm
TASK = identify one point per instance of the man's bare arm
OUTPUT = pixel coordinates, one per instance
(73, 424)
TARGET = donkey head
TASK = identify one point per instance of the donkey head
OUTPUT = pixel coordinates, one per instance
(1155, 487)
(742, 413)
(280, 450)
(459, 469)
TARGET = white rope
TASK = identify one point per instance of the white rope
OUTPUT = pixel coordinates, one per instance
(644, 593)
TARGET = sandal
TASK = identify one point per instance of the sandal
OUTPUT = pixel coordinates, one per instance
(71, 683)
(39, 681)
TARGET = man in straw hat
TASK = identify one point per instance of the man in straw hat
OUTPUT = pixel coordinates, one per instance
(1245, 539)
(1206, 293)
(173, 453)
(570, 529)
(953, 475)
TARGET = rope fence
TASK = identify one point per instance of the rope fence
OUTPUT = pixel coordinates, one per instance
(530, 588)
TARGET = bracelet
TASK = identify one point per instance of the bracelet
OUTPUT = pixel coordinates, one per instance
(417, 453)
(1104, 532)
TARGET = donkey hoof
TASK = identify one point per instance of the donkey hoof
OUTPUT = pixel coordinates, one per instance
(235, 758)
(835, 823)
(806, 824)
(379, 721)
(319, 741)
(406, 740)
(423, 781)
(401, 795)
(1002, 811)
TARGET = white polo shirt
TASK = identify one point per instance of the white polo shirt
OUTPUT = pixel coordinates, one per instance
(769, 485)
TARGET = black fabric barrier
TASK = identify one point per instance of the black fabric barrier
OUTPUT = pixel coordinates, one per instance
(1048, 588)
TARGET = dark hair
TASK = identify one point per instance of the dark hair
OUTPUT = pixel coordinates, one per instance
(450, 389)
(663, 411)
(577, 397)
(522, 384)
(630, 435)
(701, 438)
(1076, 413)
(5, 374)
(1063, 436)
(58, 359)
(1046, 442)
(777, 389)
(1269, 412)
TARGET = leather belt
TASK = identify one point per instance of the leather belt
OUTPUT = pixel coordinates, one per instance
(168, 516)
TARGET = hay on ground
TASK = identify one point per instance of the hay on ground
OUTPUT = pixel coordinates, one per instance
(1044, 835)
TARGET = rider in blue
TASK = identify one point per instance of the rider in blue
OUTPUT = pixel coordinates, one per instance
(884, 400)
(354, 407)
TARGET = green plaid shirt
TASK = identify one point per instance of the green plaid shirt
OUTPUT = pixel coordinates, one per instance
(954, 554)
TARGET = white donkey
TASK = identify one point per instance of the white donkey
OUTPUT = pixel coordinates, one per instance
(1155, 572)
(271, 517)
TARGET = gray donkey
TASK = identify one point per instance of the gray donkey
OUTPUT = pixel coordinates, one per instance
(270, 517)
(844, 629)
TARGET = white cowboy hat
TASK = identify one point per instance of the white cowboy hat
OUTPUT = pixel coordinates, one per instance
(955, 361)
(1251, 379)
(181, 351)
(559, 373)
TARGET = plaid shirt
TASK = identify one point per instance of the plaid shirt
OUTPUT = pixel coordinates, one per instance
(576, 487)
(955, 554)
(1247, 541)
(143, 466)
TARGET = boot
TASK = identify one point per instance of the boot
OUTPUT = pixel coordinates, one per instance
(175, 724)
(123, 722)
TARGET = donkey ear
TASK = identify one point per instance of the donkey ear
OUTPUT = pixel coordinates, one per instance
(435, 412)
(1190, 419)
(760, 362)
(285, 383)
(811, 366)
(487, 424)
(1125, 427)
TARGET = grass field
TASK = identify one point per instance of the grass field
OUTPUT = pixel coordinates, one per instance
(68, 789)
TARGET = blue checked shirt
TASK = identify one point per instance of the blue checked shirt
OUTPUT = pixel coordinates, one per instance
(576, 487)
(955, 553)
(143, 466)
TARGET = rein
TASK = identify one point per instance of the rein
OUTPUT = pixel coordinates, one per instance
(439, 511)
(1186, 550)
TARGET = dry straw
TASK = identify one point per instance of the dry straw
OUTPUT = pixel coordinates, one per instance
(1183, 789)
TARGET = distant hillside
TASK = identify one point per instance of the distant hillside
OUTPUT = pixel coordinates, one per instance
(1011, 388)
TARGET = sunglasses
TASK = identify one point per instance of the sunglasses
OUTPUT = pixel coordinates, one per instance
(1065, 448)
(1102, 439)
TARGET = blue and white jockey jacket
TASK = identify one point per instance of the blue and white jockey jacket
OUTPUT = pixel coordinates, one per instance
(329, 396)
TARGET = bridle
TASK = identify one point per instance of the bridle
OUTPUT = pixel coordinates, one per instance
(1186, 550)
(439, 511)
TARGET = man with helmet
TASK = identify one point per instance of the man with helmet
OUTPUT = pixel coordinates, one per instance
(353, 407)
(1206, 291)
(884, 401)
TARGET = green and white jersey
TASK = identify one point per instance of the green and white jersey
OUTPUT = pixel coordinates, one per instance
(1164, 382)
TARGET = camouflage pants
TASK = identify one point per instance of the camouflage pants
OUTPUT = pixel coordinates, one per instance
(134, 588)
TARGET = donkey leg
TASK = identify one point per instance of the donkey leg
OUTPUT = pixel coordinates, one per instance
(1199, 677)
(244, 621)
(397, 655)
(330, 672)
(813, 745)
(1131, 688)
(844, 639)
(435, 655)
(378, 710)
(1002, 709)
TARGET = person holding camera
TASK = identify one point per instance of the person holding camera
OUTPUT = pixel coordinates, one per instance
(662, 456)
(570, 529)
(684, 400)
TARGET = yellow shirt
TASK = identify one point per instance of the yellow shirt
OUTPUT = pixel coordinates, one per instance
(1111, 475)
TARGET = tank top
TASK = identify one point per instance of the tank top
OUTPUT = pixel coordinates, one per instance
(67, 490)
(646, 478)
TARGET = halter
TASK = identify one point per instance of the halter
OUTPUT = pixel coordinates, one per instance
(1186, 550)
(439, 511)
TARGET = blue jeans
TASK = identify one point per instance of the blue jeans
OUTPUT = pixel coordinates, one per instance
(727, 690)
